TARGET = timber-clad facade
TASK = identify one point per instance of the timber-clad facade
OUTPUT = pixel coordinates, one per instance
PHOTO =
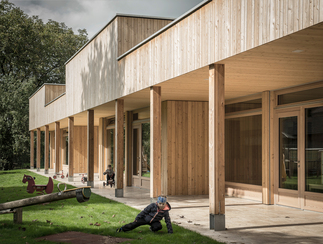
(225, 100)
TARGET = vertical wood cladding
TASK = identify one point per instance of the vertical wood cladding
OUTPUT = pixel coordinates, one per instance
(132, 31)
(80, 149)
(187, 148)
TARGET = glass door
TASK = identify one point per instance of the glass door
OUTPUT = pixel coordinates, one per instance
(141, 155)
(288, 165)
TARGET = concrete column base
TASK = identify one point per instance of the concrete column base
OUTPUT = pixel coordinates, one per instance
(31, 167)
(46, 171)
(70, 178)
(90, 183)
(118, 192)
(38, 169)
(217, 222)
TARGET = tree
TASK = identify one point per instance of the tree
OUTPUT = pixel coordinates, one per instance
(31, 53)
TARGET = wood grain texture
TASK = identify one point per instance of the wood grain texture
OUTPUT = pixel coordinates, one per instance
(155, 141)
(46, 148)
(119, 142)
(71, 146)
(216, 140)
(90, 146)
(187, 147)
(57, 147)
(32, 149)
(38, 149)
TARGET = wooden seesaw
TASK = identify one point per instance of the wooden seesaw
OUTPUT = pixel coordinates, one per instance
(82, 194)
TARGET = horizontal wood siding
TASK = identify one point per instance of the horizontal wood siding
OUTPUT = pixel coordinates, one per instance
(187, 148)
(80, 149)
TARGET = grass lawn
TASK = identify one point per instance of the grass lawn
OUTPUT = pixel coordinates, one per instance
(97, 216)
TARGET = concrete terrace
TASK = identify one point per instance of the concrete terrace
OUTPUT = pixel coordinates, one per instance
(247, 221)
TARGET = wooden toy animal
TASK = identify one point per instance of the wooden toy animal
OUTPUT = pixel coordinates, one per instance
(33, 187)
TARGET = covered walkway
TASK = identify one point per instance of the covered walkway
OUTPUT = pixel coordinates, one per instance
(247, 221)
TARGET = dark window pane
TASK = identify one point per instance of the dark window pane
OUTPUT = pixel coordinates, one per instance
(243, 152)
(237, 107)
(314, 149)
(300, 96)
(288, 151)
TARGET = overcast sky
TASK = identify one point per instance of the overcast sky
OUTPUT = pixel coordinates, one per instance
(93, 15)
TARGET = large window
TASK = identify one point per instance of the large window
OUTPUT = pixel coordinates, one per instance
(243, 150)
(314, 149)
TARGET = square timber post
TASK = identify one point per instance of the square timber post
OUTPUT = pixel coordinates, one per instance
(155, 142)
(90, 148)
(216, 147)
(46, 149)
(119, 146)
(70, 148)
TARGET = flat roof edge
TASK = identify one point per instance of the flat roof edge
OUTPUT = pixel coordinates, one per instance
(200, 5)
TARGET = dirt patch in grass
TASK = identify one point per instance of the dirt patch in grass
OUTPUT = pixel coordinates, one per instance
(74, 237)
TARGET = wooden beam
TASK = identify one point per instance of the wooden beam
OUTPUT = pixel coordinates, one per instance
(119, 147)
(38, 148)
(128, 149)
(52, 149)
(216, 147)
(46, 149)
(57, 147)
(155, 141)
(90, 148)
(267, 145)
(164, 161)
(70, 149)
(63, 149)
(32, 148)
(102, 130)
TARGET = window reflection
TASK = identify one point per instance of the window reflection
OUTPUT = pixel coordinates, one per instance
(314, 149)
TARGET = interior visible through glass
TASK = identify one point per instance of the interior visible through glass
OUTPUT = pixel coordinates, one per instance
(288, 153)
(135, 155)
(300, 96)
(314, 149)
(145, 150)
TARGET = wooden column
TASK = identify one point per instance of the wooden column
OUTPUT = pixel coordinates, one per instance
(46, 149)
(90, 148)
(38, 148)
(216, 147)
(57, 147)
(71, 149)
(63, 148)
(102, 130)
(267, 145)
(119, 147)
(32, 149)
(128, 143)
(108, 149)
(52, 149)
(155, 141)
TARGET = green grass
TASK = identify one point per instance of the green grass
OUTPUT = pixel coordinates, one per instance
(69, 215)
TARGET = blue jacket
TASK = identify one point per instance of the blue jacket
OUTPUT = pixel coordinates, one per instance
(152, 213)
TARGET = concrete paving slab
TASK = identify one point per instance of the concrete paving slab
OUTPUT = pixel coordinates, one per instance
(247, 221)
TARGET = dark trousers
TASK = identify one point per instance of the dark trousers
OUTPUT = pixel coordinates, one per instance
(155, 225)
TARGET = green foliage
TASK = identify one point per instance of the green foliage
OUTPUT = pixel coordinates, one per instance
(97, 216)
(31, 53)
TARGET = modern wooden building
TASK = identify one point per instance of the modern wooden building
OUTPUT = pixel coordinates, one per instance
(225, 100)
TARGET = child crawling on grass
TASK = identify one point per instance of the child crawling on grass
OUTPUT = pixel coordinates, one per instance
(152, 215)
